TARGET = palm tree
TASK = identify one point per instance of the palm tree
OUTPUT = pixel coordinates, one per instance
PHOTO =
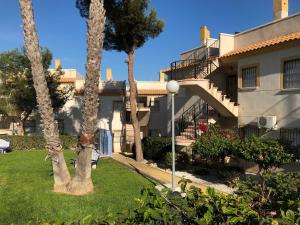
(50, 128)
(82, 182)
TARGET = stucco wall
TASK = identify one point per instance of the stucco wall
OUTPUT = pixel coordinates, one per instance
(268, 31)
(268, 99)
(161, 120)
(219, 80)
(72, 116)
(226, 43)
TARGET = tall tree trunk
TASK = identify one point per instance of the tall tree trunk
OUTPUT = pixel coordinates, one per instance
(133, 107)
(50, 128)
(23, 118)
(82, 182)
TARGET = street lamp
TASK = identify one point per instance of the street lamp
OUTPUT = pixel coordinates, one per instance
(173, 87)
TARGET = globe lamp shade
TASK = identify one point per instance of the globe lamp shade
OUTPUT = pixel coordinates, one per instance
(172, 86)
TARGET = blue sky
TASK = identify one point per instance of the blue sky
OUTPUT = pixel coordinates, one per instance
(63, 31)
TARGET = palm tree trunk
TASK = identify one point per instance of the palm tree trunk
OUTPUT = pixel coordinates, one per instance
(133, 107)
(82, 182)
(50, 128)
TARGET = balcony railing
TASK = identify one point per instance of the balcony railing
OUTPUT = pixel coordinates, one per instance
(192, 69)
(196, 65)
(140, 104)
(212, 50)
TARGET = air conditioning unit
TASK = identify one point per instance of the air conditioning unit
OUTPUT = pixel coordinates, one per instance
(268, 122)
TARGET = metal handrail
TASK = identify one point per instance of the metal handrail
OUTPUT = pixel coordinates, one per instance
(194, 68)
(191, 117)
(205, 51)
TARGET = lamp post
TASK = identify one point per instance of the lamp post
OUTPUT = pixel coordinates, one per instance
(173, 87)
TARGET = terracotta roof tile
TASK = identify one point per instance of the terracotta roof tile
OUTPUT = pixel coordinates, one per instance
(264, 44)
(67, 80)
(152, 92)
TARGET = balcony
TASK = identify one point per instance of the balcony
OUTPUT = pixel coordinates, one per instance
(142, 105)
(197, 63)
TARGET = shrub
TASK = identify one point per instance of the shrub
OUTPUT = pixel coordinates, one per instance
(155, 148)
(195, 207)
(168, 159)
(215, 144)
(273, 192)
(265, 151)
(181, 159)
(26, 143)
(288, 147)
(214, 148)
(69, 142)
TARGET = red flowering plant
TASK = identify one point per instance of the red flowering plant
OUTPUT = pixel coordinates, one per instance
(214, 143)
(228, 136)
(265, 151)
(203, 127)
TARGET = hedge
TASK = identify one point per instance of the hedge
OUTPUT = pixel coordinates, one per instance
(155, 148)
(25, 143)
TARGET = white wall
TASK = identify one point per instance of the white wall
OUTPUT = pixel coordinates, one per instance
(71, 113)
(268, 99)
(226, 43)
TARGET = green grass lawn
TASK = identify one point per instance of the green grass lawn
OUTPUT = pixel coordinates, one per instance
(26, 190)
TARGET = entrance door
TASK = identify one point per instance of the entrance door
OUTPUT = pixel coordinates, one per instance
(231, 87)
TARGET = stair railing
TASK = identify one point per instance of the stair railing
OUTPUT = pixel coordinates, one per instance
(187, 124)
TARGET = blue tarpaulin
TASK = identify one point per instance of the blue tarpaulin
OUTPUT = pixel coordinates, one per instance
(105, 142)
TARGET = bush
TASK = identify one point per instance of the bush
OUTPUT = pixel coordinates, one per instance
(288, 147)
(196, 207)
(273, 192)
(181, 158)
(168, 159)
(69, 142)
(265, 151)
(155, 148)
(213, 148)
(26, 143)
(214, 144)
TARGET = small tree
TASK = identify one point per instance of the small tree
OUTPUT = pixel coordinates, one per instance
(17, 85)
(128, 27)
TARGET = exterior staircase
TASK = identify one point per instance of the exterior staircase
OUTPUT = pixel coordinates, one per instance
(187, 137)
(210, 94)
(188, 123)
(193, 73)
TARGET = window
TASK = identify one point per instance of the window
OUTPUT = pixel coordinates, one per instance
(291, 74)
(128, 117)
(249, 77)
(142, 101)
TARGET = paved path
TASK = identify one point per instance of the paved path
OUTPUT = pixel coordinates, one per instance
(156, 174)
